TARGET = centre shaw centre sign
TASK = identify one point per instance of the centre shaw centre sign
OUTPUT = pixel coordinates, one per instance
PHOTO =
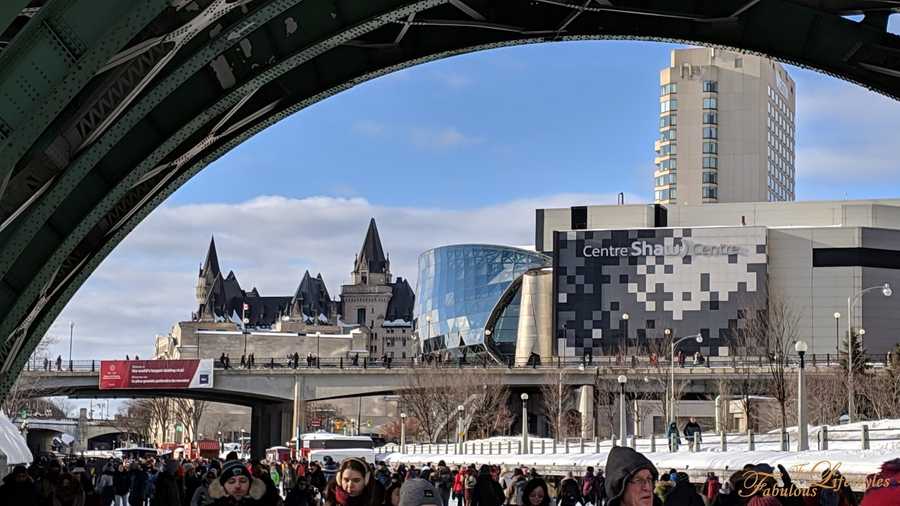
(152, 374)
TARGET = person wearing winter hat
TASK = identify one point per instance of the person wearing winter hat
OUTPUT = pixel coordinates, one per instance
(236, 485)
(630, 478)
(419, 492)
(684, 493)
(884, 487)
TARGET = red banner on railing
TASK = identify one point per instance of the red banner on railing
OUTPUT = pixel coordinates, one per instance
(149, 374)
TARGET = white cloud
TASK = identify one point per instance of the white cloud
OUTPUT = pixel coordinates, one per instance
(441, 138)
(846, 135)
(370, 128)
(147, 283)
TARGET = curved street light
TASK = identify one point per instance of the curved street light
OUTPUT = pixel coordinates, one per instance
(699, 339)
(887, 291)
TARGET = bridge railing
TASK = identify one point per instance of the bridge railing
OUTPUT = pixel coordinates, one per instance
(822, 438)
(611, 362)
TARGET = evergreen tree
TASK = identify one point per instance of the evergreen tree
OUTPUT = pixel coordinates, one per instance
(861, 363)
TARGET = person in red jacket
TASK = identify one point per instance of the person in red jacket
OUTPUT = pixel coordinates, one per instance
(711, 487)
(884, 487)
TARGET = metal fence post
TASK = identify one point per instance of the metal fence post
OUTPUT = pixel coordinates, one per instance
(865, 437)
(614, 441)
(823, 438)
(531, 446)
(751, 445)
(633, 441)
(519, 446)
(567, 446)
(652, 443)
(490, 448)
(724, 441)
(596, 445)
(785, 441)
(582, 446)
(543, 446)
(554, 446)
(92, 366)
(481, 449)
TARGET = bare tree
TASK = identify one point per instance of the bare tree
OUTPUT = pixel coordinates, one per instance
(554, 397)
(606, 391)
(826, 396)
(24, 390)
(135, 417)
(188, 413)
(777, 329)
(160, 410)
(882, 389)
(432, 397)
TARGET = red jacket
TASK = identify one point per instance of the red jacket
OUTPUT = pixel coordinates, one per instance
(884, 487)
(712, 488)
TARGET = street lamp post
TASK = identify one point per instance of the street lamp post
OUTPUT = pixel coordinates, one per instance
(318, 336)
(851, 403)
(402, 432)
(624, 346)
(71, 333)
(699, 339)
(803, 444)
(622, 421)
(524, 398)
(459, 426)
(837, 334)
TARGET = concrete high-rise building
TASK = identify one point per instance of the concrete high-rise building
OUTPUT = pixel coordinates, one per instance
(726, 129)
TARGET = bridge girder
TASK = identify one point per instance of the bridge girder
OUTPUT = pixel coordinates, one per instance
(112, 111)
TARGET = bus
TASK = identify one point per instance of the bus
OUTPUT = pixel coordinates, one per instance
(137, 453)
(321, 440)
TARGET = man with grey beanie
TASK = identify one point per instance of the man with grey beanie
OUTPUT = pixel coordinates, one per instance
(418, 492)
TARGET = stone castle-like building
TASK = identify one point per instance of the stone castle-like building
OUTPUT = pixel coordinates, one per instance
(374, 302)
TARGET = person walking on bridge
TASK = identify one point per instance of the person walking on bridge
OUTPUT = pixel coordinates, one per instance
(59, 362)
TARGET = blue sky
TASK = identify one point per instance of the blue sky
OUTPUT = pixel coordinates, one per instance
(458, 150)
(525, 121)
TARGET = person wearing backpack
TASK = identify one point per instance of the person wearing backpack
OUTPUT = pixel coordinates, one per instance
(443, 480)
(598, 488)
(569, 491)
(516, 488)
(587, 486)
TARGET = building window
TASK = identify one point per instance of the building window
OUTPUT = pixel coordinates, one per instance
(668, 105)
(667, 89)
(404, 345)
(710, 133)
(710, 192)
(710, 147)
(710, 103)
(738, 62)
(710, 86)
(668, 164)
(666, 179)
(710, 118)
(710, 177)
(667, 135)
(710, 162)
(668, 149)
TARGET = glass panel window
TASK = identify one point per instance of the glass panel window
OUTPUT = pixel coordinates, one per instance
(710, 118)
(710, 103)
(710, 177)
(667, 135)
(667, 89)
(710, 133)
(710, 147)
(668, 105)
(710, 86)
(710, 192)
(710, 162)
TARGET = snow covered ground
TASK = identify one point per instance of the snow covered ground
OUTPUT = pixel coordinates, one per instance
(844, 451)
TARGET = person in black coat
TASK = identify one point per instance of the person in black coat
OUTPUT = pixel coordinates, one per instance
(19, 488)
(168, 489)
(630, 478)
(487, 492)
(684, 493)
(302, 493)
(317, 477)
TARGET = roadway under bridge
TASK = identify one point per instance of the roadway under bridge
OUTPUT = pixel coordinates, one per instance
(107, 106)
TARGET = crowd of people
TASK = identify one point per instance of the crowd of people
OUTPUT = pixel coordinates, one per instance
(630, 479)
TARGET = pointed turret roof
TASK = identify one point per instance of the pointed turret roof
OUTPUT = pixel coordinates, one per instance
(211, 264)
(372, 252)
(402, 301)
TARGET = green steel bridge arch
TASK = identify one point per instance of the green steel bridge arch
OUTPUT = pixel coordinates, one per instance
(109, 106)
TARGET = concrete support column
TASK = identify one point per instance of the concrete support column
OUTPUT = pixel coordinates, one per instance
(270, 425)
(586, 407)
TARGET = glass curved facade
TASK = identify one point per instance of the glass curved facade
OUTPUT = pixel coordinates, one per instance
(457, 288)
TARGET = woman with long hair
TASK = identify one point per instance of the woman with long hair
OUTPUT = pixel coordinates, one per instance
(353, 485)
(536, 493)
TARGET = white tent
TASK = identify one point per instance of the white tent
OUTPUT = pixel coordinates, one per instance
(12, 443)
